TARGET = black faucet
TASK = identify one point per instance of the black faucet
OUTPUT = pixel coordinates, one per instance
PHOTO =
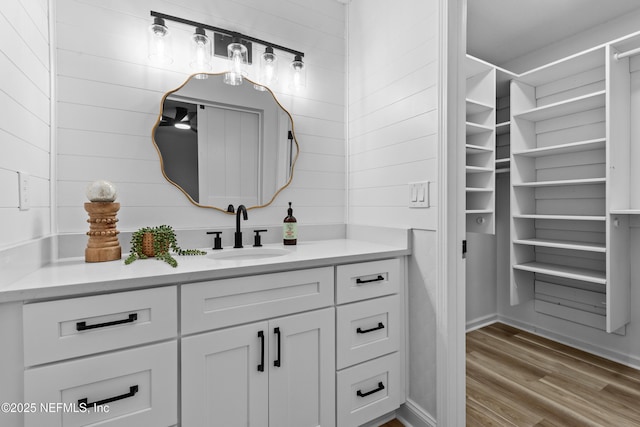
(238, 234)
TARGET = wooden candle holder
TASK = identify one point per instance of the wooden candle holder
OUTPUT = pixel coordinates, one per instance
(103, 242)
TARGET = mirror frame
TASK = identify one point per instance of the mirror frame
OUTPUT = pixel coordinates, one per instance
(224, 210)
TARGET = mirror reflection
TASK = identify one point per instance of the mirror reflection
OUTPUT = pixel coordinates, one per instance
(222, 144)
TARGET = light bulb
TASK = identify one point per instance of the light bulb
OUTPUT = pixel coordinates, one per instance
(200, 52)
(159, 39)
(237, 53)
(299, 78)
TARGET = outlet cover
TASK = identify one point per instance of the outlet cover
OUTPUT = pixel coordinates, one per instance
(24, 190)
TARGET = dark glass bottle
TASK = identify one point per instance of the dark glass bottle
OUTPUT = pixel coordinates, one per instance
(290, 228)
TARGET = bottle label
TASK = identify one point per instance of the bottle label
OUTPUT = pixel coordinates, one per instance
(290, 230)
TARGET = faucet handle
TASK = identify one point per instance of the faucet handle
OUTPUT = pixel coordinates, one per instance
(217, 241)
(256, 239)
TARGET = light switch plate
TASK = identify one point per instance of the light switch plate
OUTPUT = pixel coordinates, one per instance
(24, 191)
(419, 194)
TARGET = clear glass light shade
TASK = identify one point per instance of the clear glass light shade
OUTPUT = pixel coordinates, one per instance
(268, 69)
(237, 63)
(200, 52)
(299, 77)
(159, 40)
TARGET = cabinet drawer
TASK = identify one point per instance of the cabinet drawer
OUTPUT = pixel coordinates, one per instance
(368, 391)
(138, 388)
(367, 329)
(225, 302)
(367, 280)
(56, 330)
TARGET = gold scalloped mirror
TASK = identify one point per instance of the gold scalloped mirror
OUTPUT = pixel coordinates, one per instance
(225, 145)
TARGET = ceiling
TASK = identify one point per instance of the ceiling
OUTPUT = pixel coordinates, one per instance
(501, 30)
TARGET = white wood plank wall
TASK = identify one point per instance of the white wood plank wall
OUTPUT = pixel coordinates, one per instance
(109, 97)
(393, 114)
(24, 118)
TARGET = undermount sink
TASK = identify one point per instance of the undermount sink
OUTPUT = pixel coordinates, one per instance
(248, 253)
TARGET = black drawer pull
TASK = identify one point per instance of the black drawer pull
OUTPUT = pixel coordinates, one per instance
(377, 279)
(261, 365)
(82, 326)
(278, 361)
(375, 390)
(83, 403)
(365, 331)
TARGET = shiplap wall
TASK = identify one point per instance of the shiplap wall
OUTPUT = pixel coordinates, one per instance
(393, 114)
(24, 118)
(392, 140)
(109, 97)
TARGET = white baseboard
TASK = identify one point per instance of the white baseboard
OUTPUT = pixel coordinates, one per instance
(622, 358)
(412, 415)
(481, 322)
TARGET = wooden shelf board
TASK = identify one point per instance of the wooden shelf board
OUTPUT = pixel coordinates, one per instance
(477, 149)
(585, 181)
(573, 147)
(475, 107)
(582, 274)
(477, 169)
(562, 244)
(562, 217)
(563, 108)
(475, 128)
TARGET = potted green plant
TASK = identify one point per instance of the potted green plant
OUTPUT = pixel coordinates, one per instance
(157, 242)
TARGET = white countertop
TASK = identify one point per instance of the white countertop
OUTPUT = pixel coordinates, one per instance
(74, 276)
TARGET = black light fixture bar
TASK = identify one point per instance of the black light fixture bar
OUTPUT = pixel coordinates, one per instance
(231, 34)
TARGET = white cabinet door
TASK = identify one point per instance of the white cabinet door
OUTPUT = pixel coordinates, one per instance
(225, 378)
(302, 370)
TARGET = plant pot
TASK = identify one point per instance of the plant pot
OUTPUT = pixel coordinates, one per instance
(147, 245)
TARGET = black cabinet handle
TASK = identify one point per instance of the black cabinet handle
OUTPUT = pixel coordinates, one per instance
(277, 361)
(82, 326)
(84, 401)
(261, 365)
(366, 331)
(377, 279)
(380, 388)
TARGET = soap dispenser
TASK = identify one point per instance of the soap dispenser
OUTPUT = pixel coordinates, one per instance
(290, 228)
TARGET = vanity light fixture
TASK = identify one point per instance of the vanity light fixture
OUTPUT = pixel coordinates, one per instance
(238, 60)
(268, 69)
(236, 47)
(200, 53)
(299, 79)
(159, 40)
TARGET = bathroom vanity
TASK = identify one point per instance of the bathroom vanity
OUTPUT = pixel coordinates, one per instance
(310, 336)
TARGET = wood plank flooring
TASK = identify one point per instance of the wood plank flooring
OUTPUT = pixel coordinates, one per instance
(393, 423)
(515, 378)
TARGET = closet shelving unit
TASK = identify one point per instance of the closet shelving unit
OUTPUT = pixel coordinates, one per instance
(480, 146)
(570, 169)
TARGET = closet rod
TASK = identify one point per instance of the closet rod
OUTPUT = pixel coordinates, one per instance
(631, 52)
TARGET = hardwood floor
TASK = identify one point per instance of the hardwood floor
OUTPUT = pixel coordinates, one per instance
(393, 423)
(515, 378)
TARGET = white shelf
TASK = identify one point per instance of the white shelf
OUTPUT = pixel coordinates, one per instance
(502, 162)
(476, 149)
(563, 108)
(475, 128)
(479, 211)
(503, 170)
(625, 211)
(562, 217)
(476, 107)
(573, 147)
(478, 190)
(560, 183)
(582, 274)
(503, 128)
(477, 169)
(561, 244)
